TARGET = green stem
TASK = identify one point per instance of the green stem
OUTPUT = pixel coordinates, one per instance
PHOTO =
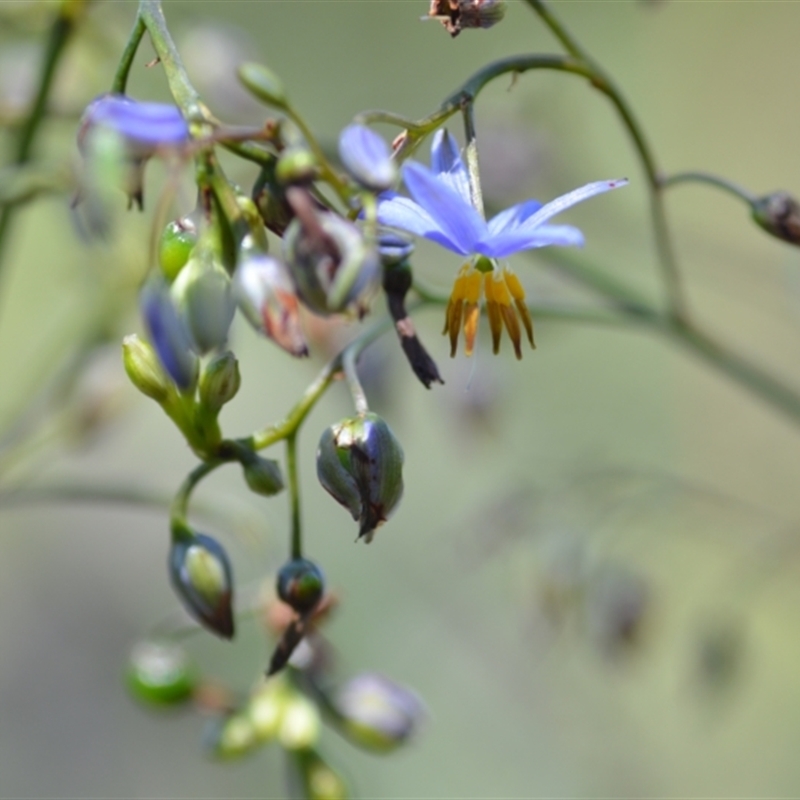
(353, 383)
(604, 83)
(179, 526)
(60, 33)
(294, 495)
(712, 180)
(120, 82)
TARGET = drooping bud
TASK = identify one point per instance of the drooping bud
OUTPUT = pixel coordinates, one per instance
(201, 575)
(219, 381)
(456, 15)
(367, 157)
(231, 736)
(360, 463)
(160, 674)
(332, 266)
(264, 84)
(168, 334)
(300, 584)
(203, 293)
(177, 242)
(377, 713)
(779, 214)
(141, 365)
(263, 475)
(318, 780)
(295, 165)
(266, 295)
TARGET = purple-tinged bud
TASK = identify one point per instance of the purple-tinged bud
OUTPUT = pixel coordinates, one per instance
(231, 736)
(360, 463)
(456, 15)
(377, 713)
(143, 127)
(177, 242)
(779, 214)
(168, 334)
(160, 674)
(219, 381)
(333, 268)
(203, 293)
(393, 248)
(266, 296)
(367, 157)
(300, 584)
(201, 575)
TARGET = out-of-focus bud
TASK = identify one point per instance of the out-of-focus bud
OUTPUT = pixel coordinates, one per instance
(219, 381)
(264, 84)
(360, 463)
(456, 15)
(201, 575)
(177, 242)
(160, 674)
(263, 475)
(319, 780)
(300, 584)
(270, 199)
(393, 248)
(141, 364)
(779, 214)
(367, 157)
(232, 736)
(296, 165)
(168, 334)
(300, 724)
(267, 706)
(332, 266)
(264, 290)
(377, 713)
(203, 293)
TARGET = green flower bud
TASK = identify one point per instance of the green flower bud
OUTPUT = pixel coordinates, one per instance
(360, 463)
(376, 713)
(219, 381)
(300, 724)
(334, 272)
(779, 214)
(232, 736)
(263, 475)
(201, 575)
(177, 242)
(301, 584)
(319, 780)
(160, 674)
(296, 165)
(266, 708)
(264, 84)
(143, 368)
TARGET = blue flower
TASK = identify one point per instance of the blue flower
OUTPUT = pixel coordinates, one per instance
(441, 210)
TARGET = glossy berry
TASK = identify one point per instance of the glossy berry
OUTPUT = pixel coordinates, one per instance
(301, 584)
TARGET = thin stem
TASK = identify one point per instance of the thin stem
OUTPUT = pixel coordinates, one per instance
(604, 83)
(353, 383)
(120, 82)
(471, 154)
(294, 496)
(712, 180)
(179, 526)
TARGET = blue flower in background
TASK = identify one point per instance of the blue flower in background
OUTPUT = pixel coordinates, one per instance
(441, 210)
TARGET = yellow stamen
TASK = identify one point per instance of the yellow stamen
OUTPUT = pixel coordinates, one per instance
(518, 293)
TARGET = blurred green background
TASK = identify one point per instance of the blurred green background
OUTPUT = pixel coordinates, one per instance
(592, 579)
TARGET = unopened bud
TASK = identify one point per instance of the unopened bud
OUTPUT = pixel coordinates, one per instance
(319, 780)
(219, 381)
(296, 165)
(263, 475)
(779, 214)
(360, 463)
(160, 674)
(264, 84)
(377, 713)
(141, 365)
(177, 242)
(201, 575)
(367, 157)
(266, 707)
(300, 724)
(301, 584)
(232, 736)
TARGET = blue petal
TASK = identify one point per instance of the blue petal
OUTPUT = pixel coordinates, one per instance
(367, 157)
(403, 213)
(513, 217)
(568, 200)
(453, 215)
(446, 163)
(514, 241)
(145, 124)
